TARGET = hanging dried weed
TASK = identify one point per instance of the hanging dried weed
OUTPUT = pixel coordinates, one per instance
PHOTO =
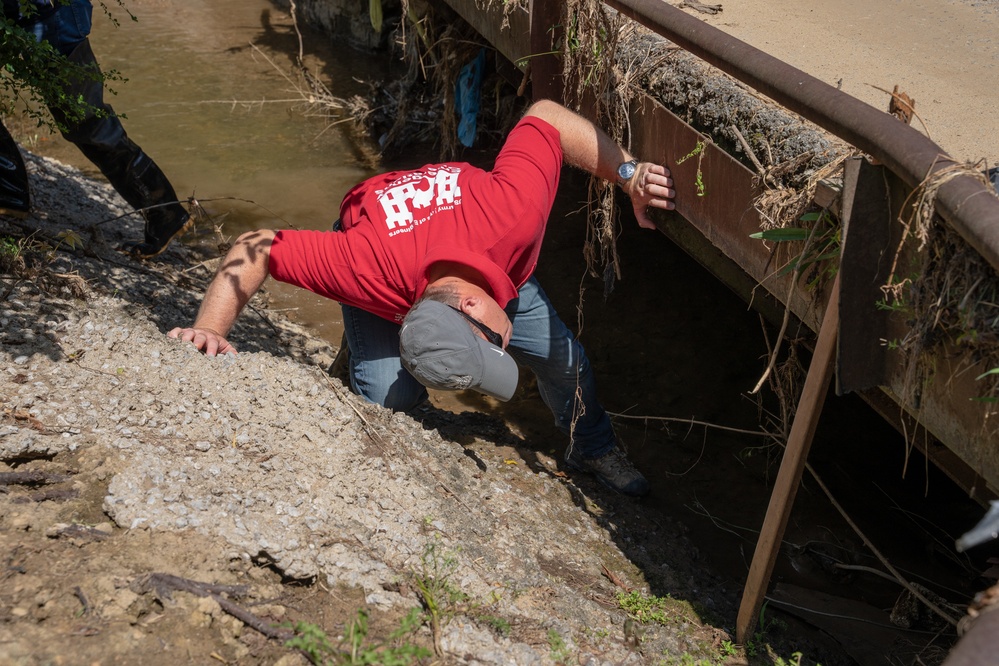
(948, 293)
(588, 60)
(780, 208)
(419, 107)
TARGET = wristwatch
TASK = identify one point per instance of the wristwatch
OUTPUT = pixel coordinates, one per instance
(626, 171)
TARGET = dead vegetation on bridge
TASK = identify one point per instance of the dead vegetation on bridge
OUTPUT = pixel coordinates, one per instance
(945, 290)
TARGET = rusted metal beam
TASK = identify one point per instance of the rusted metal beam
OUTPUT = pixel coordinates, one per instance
(865, 263)
(510, 36)
(971, 207)
(792, 466)
(723, 212)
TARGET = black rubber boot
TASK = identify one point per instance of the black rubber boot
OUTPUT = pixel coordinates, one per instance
(165, 218)
(132, 173)
(15, 197)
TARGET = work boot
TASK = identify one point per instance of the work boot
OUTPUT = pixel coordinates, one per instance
(157, 238)
(149, 190)
(15, 198)
(613, 469)
(101, 137)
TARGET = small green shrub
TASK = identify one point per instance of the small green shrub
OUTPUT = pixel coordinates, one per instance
(557, 645)
(498, 624)
(646, 608)
(355, 649)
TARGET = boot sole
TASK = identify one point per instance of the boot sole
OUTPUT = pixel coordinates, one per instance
(184, 229)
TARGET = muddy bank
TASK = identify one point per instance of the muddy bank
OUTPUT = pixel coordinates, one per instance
(260, 471)
(262, 475)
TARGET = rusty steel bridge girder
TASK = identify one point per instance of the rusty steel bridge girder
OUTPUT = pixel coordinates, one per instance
(966, 203)
(723, 221)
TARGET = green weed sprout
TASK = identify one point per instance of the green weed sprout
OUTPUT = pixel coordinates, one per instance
(312, 641)
(697, 152)
(557, 645)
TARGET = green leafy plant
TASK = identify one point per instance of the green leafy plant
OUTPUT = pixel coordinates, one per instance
(376, 15)
(557, 646)
(649, 608)
(70, 239)
(356, 650)
(10, 250)
(25, 260)
(823, 241)
(586, 48)
(311, 640)
(894, 306)
(34, 75)
(691, 660)
(498, 624)
(766, 628)
(987, 399)
(795, 660)
(438, 594)
(782, 234)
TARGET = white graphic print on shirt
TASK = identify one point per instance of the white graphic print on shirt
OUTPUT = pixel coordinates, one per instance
(414, 198)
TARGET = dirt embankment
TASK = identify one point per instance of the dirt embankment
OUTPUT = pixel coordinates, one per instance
(125, 454)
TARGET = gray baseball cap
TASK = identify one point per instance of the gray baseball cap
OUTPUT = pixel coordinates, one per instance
(438, 347)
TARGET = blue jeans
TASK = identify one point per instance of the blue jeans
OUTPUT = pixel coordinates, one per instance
(540, 342)
(67, 27)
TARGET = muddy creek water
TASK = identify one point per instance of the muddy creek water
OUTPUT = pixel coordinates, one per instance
(207, 97)
(670, 343)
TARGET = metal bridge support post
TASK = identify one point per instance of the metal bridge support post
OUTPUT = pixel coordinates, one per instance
(867, 252)
(792, 465)
(866, 214)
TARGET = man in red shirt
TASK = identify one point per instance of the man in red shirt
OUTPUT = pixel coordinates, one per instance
(433, 270)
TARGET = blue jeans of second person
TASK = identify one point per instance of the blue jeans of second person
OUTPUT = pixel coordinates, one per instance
(540, 342)
(67, 27)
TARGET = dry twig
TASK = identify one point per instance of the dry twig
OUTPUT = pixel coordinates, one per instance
(31, 478)
(913, 589)
(163, 584)
(691, 421)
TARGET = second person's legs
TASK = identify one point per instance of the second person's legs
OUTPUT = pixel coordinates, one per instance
(101, 137)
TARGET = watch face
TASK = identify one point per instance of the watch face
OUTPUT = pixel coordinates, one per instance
(626, 170)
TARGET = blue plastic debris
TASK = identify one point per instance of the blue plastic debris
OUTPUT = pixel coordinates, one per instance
(466, 98)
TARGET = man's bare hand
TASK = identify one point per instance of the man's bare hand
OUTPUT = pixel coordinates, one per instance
(651, 186)
(206, 340)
